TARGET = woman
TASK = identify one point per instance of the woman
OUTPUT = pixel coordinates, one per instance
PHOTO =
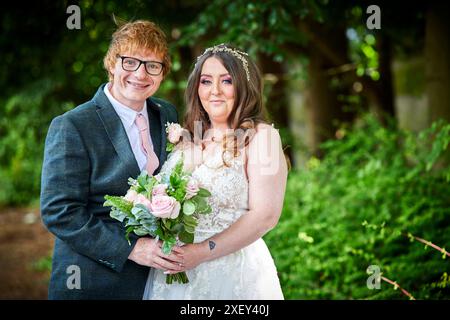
(240, 161)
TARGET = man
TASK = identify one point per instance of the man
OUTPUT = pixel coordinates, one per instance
(91, 151)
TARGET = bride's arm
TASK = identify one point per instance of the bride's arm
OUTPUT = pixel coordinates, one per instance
(267, 174)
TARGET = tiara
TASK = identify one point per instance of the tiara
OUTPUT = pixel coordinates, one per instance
(238, 54)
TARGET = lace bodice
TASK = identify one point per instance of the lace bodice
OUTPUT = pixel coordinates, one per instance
(228, 186)
(246, 274)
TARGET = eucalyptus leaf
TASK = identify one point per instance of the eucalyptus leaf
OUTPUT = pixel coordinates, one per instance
(132, 222)
(141, 212)
(204, 193)
(140, 231)
(188, 207)
(189, 229)
(206, 210)
(118, 215)
(190, 221)
(201, 204)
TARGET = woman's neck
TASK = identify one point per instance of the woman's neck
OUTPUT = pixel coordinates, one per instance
(216, 132)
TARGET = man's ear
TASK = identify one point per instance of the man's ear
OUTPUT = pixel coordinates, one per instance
(112, 69)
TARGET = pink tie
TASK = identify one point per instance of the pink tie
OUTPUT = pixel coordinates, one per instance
(146, 145)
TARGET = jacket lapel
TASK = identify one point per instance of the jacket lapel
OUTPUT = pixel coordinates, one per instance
(116, 132)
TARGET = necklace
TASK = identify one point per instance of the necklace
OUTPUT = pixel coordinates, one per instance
(212, 139)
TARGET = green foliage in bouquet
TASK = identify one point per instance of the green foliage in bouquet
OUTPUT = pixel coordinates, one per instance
(139, 219)
(379, 197)
(170, 146)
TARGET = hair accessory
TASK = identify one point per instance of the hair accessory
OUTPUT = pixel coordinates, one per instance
(238, 54)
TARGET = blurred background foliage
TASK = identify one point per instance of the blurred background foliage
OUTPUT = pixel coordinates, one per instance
(361, 205)
(363, 115)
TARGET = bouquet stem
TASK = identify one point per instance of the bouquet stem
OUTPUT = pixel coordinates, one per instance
(180, 277)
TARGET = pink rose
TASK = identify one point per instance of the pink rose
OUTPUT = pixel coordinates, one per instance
(141, 199)
(175, 131)
(192, 188)
(131, 195)
(165, 207)
(159, 190)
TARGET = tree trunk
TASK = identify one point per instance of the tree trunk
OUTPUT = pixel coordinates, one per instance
(277, 103)
(321, 105)
(437, 61)
(332, 45)
(384, 86)
(324, 110)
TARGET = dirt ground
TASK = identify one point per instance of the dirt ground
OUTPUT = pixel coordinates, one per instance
(25, 249)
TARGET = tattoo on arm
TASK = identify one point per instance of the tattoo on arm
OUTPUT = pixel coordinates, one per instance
(212, 244)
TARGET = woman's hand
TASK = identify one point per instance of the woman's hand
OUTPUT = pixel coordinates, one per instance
(193, 255)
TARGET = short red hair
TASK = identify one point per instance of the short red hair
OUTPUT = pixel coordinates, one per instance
(137, 36)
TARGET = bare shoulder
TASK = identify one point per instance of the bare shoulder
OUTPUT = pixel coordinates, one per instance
(265, 143)
(265, 133)
(266, 126)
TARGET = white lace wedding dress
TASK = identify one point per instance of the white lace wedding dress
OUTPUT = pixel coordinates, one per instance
(248, 274)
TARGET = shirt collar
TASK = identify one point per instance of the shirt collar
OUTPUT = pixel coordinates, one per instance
(127, 114)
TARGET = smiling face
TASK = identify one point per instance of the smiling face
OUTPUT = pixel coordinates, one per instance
(132, 88)
(216, 91)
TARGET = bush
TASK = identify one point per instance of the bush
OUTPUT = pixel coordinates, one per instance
(24, 122)
(376, 194)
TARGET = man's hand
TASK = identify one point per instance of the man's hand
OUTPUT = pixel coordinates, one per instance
(148, 252)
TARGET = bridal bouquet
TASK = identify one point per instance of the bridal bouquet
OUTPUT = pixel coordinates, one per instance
(164, 206)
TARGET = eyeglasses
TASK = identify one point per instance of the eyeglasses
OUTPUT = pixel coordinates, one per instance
(153, 68)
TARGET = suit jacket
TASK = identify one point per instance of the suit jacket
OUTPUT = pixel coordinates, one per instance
(87, 155)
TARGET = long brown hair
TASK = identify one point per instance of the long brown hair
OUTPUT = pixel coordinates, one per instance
(248, 110)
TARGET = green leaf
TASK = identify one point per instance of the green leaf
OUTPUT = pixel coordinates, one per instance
(132, 222)
(188, 207)
(119, 203)
(140, 231)
(174, 180)
(149, 186)
(189, 229)
(168, 245)
(169, 147)
(201, 204)
(179, 166)
(167, 223)
(141, 212)
(186, 237)
(118, 215)
(190, 221)
(143, 179)
(159, 233)
(204, 193)
(177, 228)
(207, 210)
(127, 234)
(150, 225)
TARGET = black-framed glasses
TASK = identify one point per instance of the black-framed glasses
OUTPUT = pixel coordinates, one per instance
(153, 68)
